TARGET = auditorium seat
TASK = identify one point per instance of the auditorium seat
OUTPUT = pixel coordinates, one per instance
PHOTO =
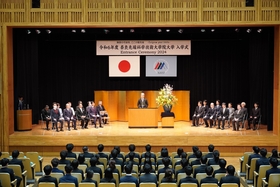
(219, 176)
(195, 166)
(101, 167)
(160, 177)
(258, 176)
(61, 167)
(250, 171)
(36, 159)
(229, 185)
(168, 185)
(178, 167)
(127, 184)
(189, 185)
(274, 180)
(116, 177)
(119, 167)
(78, 176)
(209, 185)
(215, 167)
(17, 171)
(147, 184)
(104, 161)
(192, 159)
(57, 176)
(107, 185)
(200, 176)
(82, 167)
(66, 185)
(180, 176)
(46, 184)
(30, 168)
(6, 181)
(96, 177)
(5, 155)
(86, 184)
(243, 161)
(70, 158)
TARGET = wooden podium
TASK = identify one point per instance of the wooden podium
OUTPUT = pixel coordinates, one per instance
(138, 117)
(24, 120)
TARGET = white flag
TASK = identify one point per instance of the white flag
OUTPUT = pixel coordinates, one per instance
(124, 66)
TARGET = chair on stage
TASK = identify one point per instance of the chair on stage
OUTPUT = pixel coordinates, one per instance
(259, 122)
(245, 118)
(46, 184)
(6, 180)
(104, 116)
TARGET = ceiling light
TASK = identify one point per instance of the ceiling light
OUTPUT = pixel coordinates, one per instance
(131, 30)
(120, 30)
(167, 30)
(180, 31)
(38, 31)
(236, 30)
(248, 30)
(106, 31)
(74, 31)
(159, 30)
(212, 30)
(259, 30)
(28, 31)
(48, 31)
(202, 30)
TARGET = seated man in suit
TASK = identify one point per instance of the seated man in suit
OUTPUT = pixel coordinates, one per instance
(86, 153)
(93, 114)
(211, 148)
(68, 178)
(93, 162)
(198, 113)
(131, 157)
(108, 176)
(198, 155)
(274, 170)
(114, 154)
(148, 148)
(100, 148)
(5, 169)
(98, 162)
(254, 116)
(47, 177)
(46, 115)
(69, 116)
(89, 179)
(75, 165)
(82, 115)
(69, 148)
(180, 150)
(102, 112)
(230, 114)
(238, 117)
(210, 115)
(63, 155)
(230, 178)
(55, 116)
(209, 178)
(256, 154)
(16, 161)
(163, 154)
(194, 149)
(215, 159)
(188, 178)
(183, 156)
(142, 102)
(222, 169)
(148, 177)
(131, 149)
(201, 168)
(223, 116)
(166, 163)
(184, 164)
(54, 163)
(263, 160)
(128, 177)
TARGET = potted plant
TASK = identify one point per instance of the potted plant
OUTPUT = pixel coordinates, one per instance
(166, 98)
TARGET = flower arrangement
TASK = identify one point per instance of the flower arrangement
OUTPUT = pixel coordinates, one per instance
(165, 97)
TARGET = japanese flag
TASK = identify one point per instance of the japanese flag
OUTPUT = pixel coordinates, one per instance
(124, 66)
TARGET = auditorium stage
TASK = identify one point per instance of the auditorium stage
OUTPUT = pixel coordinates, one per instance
(118, 133)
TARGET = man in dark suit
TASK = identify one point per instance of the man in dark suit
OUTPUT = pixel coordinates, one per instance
(198, 113)
(222, 169)
(243, 107)
(223, 116)
(183, 156)
(86, 153)
(210, 115)
(274, 170)
(211, 148)
(198, 155)
(263, 160)
(238, 117)
(46, 115)
(218, 111)
(256, 154)
(128, 177)
(47, 177)
(142, 102)
(132, 148)
(209, 178)
(69, 116)
(148, 177)
(102, 111)
(75, 165)
(55, 163)
(254, 116)
(184, 163)
(82, 115)
(69, 148)
(16, 161)
(93, 114)
(20, 103)
(68, 178)
(194, 149)
(230, 178)
(230, 114)
(63, 155)
(5, 169)
(148, 148)
(114, 154)
(166, 163)
(100, 148)
(93, 162)
(201, 168)
(88, 179)
(188, 178)
(55, 116)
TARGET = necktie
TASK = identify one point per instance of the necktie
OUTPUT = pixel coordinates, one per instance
(224, 111)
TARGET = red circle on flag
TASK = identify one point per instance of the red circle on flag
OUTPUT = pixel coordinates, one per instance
(124, 66)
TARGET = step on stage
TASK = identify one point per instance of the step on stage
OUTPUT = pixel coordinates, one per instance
(117, 133)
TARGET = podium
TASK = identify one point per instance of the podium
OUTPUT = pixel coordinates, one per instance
(138, 117)
(24, 120)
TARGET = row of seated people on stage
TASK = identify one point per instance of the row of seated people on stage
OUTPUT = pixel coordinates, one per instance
(91, 113)
(221, 114)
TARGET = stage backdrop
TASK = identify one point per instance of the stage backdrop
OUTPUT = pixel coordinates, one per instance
(117, 103)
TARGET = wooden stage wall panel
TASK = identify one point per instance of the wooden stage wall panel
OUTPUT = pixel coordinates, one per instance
(118, 102)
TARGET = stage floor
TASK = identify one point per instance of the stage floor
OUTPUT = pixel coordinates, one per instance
(118, 133)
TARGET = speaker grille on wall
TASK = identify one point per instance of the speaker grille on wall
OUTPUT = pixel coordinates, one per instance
(249, 2)
(35, 3)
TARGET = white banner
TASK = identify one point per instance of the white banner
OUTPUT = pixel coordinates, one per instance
(143, 47)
